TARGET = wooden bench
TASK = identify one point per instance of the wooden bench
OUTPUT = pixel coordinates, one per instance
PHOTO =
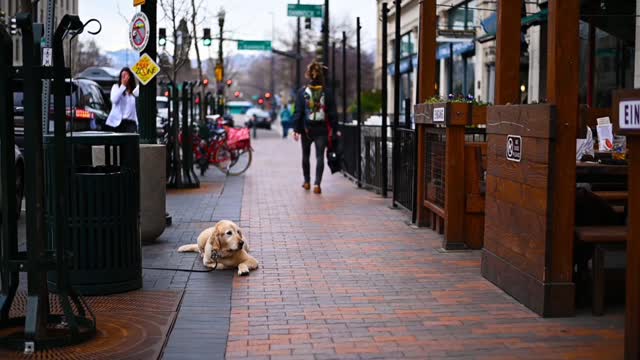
(605, 239)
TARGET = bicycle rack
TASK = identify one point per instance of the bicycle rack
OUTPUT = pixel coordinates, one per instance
(39, 328)
(182, 175)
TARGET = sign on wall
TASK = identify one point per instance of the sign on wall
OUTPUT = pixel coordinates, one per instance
(629, 115)
(145, 69)
(438, 115)
(139, 29)
(514, 148)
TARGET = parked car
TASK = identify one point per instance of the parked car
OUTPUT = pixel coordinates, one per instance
(19, 163)
(86, 109)
(105, 77)
(261, 117)
(162, 104)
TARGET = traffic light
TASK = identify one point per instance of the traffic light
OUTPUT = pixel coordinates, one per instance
(162, 36)
(205, 82)
(206, 38)
(307, 23)
(229, 83)
(261, 101)
(319, 51)
(237, 94)
(267, 95)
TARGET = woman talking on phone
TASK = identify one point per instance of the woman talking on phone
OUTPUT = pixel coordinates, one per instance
(123, 117)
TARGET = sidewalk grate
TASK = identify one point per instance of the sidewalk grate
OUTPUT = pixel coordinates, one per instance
(130, 326)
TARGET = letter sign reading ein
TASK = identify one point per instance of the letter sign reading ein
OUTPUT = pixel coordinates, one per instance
(629, 116)
(438, 115)
(514, 148)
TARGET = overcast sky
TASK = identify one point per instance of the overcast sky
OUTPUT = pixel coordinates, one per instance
(246, 19)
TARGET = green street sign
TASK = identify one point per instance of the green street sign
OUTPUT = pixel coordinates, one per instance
(305, 10)
(259, 45)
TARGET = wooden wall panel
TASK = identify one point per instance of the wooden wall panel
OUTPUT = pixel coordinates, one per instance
(518, 227)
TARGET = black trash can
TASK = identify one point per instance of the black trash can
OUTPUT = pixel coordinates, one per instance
(103, 212)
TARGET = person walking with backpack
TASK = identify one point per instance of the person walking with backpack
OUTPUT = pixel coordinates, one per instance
(285, 120)
(315, 122)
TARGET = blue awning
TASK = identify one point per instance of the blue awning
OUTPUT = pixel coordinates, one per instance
(459, 48)
(406, 65)
(490, 24)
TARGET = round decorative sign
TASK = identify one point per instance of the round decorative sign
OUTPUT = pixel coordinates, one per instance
(139, 31)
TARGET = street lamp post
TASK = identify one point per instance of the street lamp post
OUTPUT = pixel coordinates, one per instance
(220, 80)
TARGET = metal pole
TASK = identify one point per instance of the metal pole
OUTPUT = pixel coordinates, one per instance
(333, 68)
(221, 85)
(359, 101)
(385, 155)
(147, 101)
(298, 61)
(273, 68)
(344, 77)
(325, 36)
(46, 89)
(396, 102)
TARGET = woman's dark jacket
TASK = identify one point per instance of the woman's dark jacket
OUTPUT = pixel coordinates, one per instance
(301, 123)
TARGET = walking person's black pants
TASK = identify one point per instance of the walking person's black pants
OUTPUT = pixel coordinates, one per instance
(321, 145)
(126, 126)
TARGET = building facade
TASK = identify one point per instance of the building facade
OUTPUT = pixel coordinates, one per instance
(11, 7)
(466, 50)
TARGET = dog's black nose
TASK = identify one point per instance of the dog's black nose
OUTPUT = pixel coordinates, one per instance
(241, 244)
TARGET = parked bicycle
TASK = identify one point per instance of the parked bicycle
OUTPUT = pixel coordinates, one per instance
(227, 148)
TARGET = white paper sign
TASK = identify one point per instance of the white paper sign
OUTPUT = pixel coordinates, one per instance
(47, 57)
(629, 115)
(438, 115)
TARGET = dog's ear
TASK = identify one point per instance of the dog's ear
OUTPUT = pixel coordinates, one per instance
(216, 237)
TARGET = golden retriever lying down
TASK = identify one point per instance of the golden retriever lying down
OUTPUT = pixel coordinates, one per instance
(223, 247)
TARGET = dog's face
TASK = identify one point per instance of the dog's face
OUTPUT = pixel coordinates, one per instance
(227, 238)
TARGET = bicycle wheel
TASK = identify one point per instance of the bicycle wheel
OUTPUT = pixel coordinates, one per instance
(240, 161)
(222, 158)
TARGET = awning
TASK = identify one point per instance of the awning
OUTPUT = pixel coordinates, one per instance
(490, 24)
(460, 48)
(406, 65)
(535, 19)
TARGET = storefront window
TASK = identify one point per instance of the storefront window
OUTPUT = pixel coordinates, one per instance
(463, 75)
(407, 45)
(461, 16)
(614, 67)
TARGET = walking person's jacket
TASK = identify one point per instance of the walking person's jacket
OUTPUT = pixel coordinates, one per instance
(124, 105)
(315, 105)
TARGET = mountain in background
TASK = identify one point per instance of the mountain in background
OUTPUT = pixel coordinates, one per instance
(122, 58)
(128, 57)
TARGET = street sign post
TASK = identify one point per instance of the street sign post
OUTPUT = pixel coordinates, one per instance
(145, 69)
(305, 10)
(139, 29)
(259, 45)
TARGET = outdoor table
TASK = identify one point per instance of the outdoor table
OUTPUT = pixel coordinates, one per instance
(102, 210)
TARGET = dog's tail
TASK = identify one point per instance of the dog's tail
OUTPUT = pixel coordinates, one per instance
(189, 248)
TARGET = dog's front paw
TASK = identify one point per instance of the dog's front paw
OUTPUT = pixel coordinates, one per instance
(243, 272)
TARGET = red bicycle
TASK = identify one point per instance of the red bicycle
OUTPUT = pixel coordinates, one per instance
(227, 148)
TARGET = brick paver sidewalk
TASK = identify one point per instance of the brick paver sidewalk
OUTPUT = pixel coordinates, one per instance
(342, 276)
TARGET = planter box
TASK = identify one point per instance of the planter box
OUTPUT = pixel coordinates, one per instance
(450, 114)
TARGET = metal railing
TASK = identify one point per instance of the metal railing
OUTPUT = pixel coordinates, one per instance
(405, 171)
(371, 157)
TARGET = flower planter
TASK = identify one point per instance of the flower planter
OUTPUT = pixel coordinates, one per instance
(451, 171)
